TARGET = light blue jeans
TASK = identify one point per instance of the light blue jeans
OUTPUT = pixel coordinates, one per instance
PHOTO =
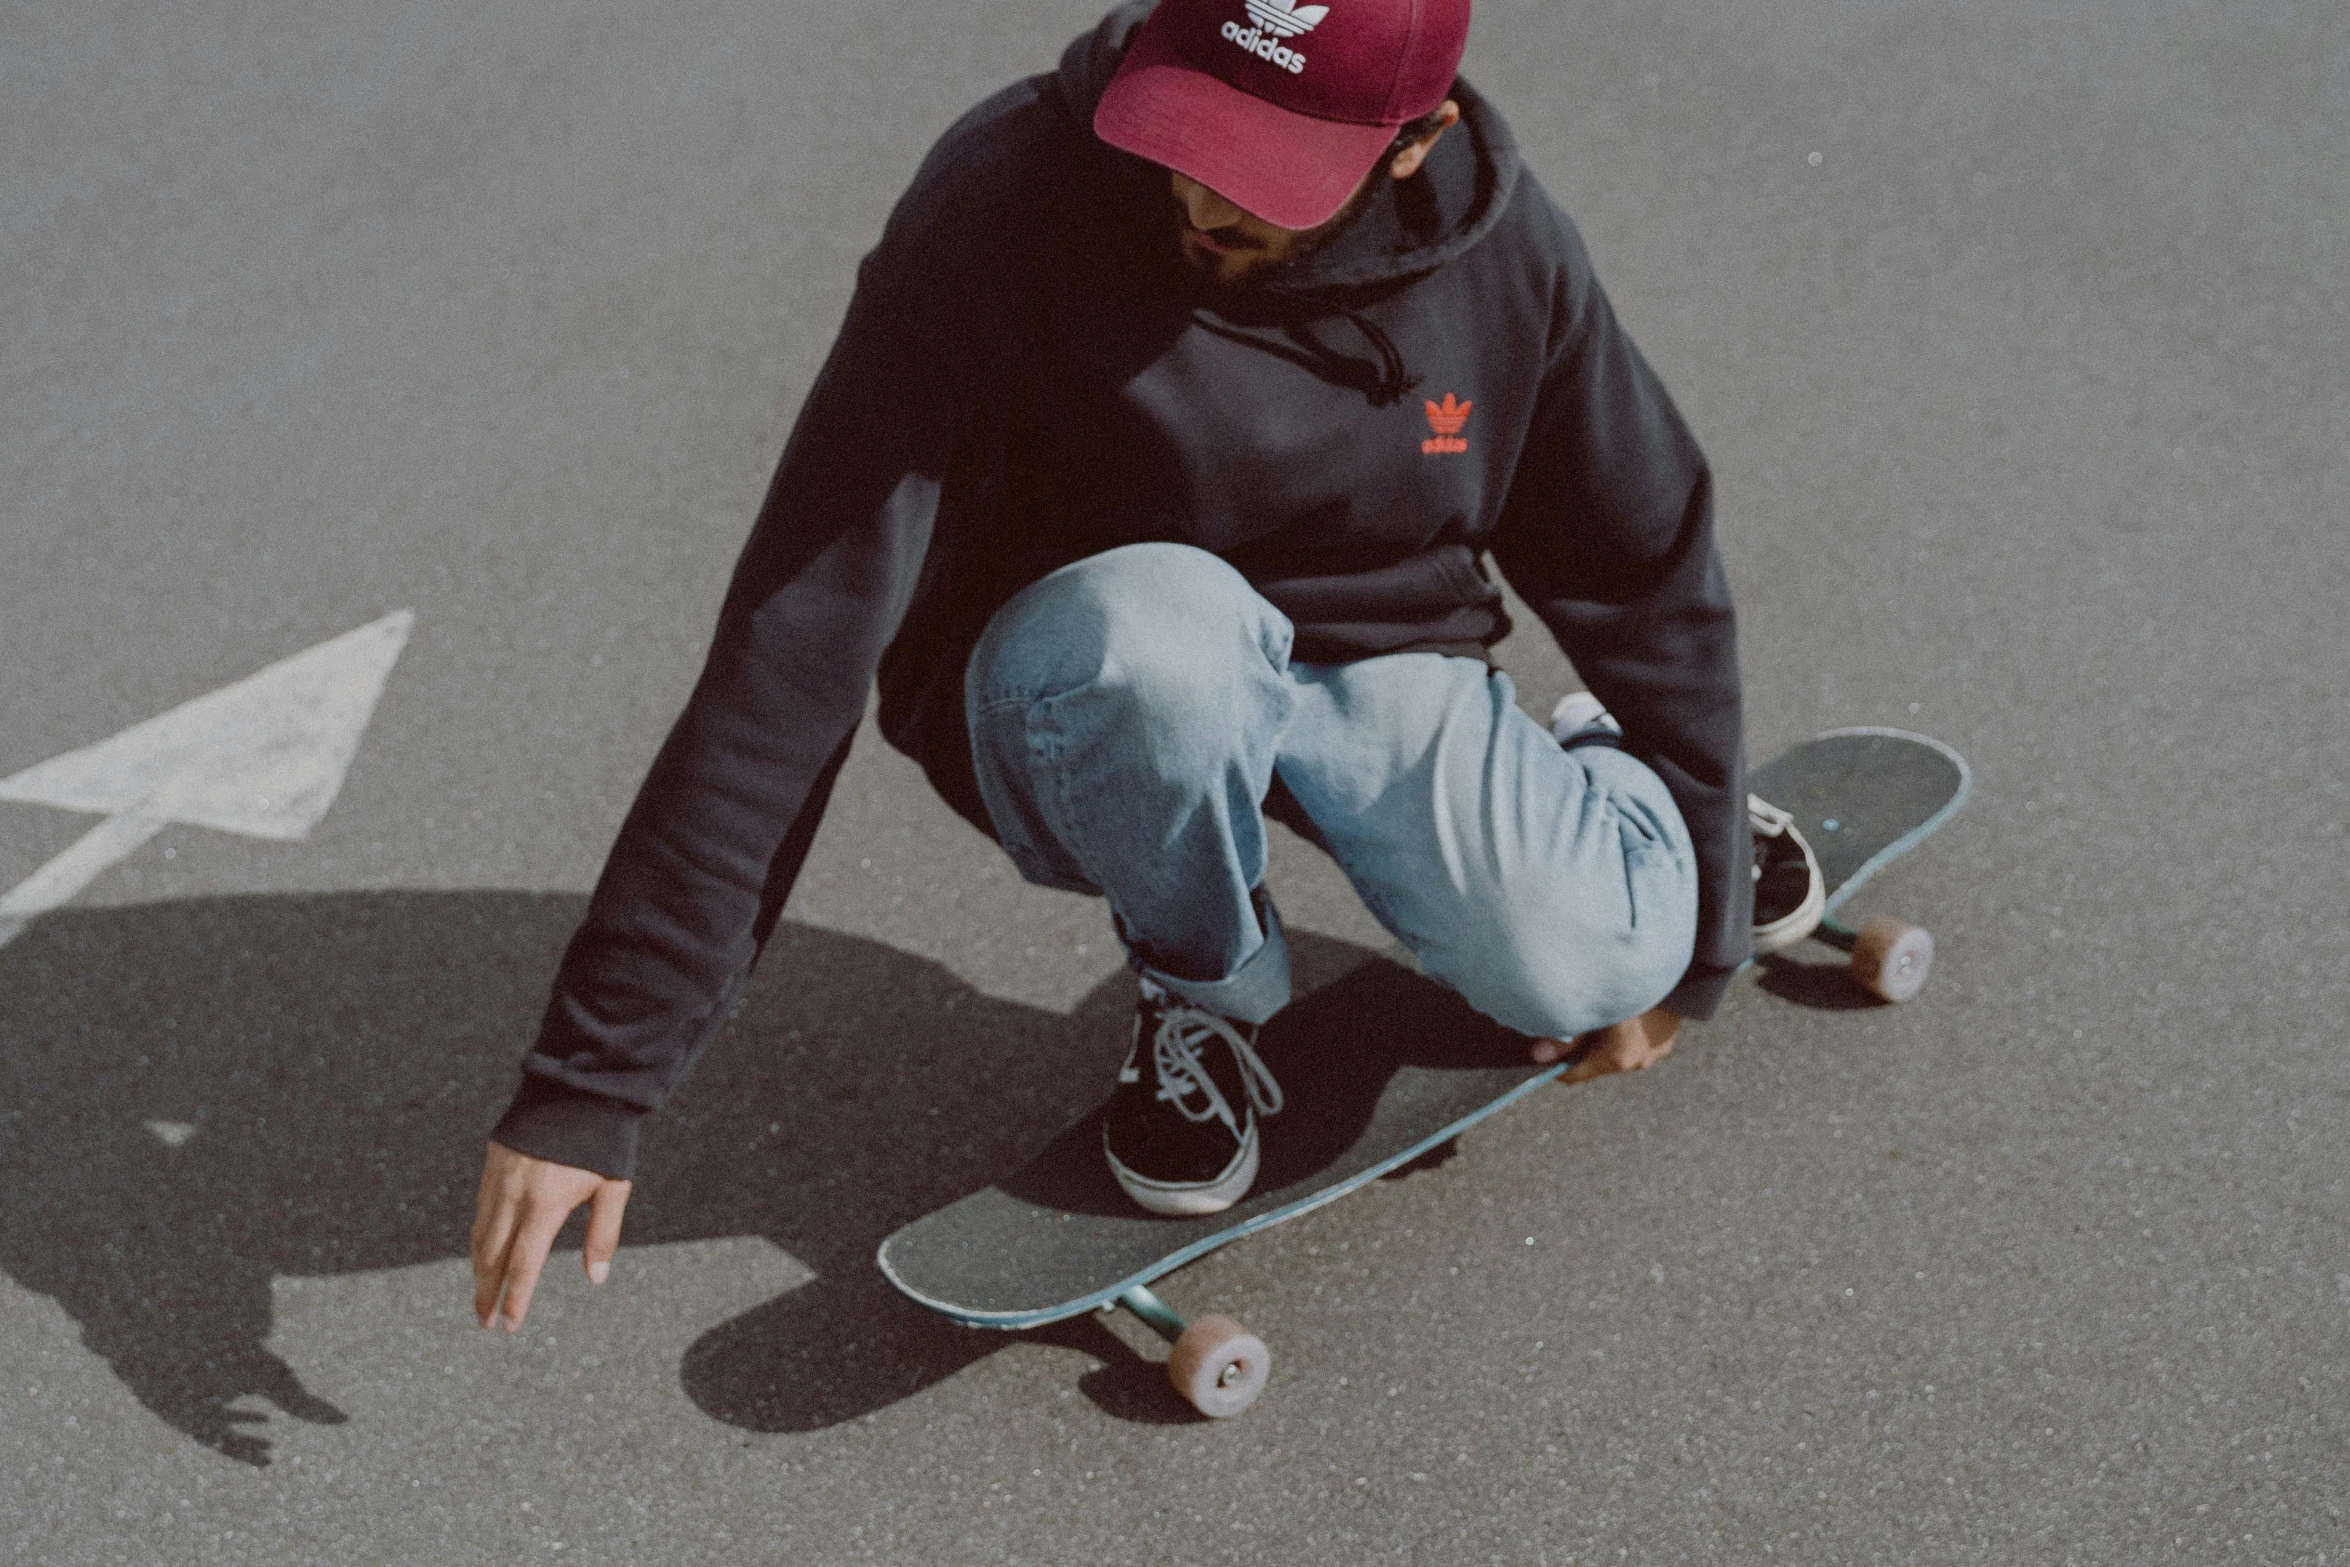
(1129, 714)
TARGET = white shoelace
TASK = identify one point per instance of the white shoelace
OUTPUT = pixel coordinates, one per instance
(1175, 1058)
(1769, 822)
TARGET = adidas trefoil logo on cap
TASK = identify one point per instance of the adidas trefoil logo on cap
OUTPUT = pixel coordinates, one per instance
(1276, 20)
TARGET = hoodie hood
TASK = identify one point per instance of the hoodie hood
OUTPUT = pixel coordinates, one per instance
(1408, 228)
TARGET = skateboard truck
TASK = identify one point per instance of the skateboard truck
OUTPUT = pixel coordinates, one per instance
(1218, 1366)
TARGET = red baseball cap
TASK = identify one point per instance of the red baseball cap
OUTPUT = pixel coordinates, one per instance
(1280, 107)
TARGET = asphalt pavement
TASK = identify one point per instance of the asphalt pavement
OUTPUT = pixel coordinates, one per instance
(2017, 334)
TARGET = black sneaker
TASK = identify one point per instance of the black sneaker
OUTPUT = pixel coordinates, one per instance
(1788, 893)
(1182, 1129)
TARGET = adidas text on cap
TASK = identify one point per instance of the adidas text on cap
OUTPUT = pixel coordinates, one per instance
(1280, 108)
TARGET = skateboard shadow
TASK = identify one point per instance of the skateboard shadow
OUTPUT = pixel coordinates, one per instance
(848, 1344)
(198, 1098)
(1824, 987)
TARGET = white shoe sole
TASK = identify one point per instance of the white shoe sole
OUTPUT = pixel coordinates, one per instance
(1191, 1200)
(1578, 716)
(1792, 927)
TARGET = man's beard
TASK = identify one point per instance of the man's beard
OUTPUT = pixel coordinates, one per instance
(1253, 271)
(1241, 264)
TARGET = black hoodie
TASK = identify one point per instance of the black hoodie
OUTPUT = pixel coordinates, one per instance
(1028, 375)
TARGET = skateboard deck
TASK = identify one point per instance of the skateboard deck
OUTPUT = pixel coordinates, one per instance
(1378, 1069)
(1863, 798)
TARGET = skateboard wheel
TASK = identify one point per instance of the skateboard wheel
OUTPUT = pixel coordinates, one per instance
(1890, 959)
(1219, 1367)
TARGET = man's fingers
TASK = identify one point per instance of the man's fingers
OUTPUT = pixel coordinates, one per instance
(489, 1276)
(528, 1258)
(603, 1236)
(521, 1209)
(1572, 1051)
(495, 1212)
(1630, 1046)
(1592, 1060)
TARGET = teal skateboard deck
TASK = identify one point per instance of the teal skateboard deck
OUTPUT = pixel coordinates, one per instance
(1379, 1069)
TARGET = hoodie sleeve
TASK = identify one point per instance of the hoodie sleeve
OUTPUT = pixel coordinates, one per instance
(724, 818)
(1608, 534)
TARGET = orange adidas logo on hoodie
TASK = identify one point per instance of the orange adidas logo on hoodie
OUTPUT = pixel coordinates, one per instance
(1446, 419)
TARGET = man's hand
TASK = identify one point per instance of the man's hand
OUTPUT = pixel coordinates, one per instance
(1628, 1046)
(523, 1202)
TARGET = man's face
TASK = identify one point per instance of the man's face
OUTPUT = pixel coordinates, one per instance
(1233, 248)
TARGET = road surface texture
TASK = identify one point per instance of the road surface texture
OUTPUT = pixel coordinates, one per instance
(2017, 333)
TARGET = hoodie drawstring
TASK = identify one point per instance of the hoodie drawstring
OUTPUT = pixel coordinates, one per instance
(1382, 380)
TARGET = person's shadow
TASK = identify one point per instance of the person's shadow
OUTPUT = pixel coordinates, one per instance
(196, 1098)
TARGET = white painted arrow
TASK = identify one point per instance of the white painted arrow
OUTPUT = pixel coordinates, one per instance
(264, 757)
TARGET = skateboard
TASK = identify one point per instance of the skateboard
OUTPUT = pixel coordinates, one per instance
(1862, 798)
(1380, 1070)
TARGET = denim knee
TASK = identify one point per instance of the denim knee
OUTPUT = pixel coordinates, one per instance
(1172, 626)
(1552, 978)
(1555, 955)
